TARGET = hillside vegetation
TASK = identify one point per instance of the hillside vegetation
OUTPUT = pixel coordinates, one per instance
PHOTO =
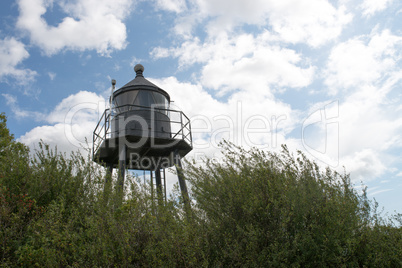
(252, 209)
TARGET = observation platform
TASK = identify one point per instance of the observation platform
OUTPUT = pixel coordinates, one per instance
(154, 142)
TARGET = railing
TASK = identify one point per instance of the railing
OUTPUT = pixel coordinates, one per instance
(180, 127)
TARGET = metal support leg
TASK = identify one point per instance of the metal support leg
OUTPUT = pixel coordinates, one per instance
(110, 169)
(158, 180)
(182, 181)
(122, 164)
(164, 185)
(109, 173)
(108, 180)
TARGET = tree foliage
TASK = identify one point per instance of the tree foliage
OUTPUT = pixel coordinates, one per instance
(253, 209)
(266, 209)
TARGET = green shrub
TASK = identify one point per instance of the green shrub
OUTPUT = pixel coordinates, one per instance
(257, 208)
(252, 209)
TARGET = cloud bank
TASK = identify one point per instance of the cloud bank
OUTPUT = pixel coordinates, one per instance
(88, 24)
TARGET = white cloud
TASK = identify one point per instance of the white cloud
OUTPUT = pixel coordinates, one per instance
(356, 134)
(370, 7)
(359, 62)
(80, 104)
(89, 24)
(265, 66)
(12, 53)
(71, 123)
(243, 62)
(365, 72)
(364, 165)
(367, 132)
(52, 135)
(310, 21)
(177, 6)
(367, 127)
(313, 22)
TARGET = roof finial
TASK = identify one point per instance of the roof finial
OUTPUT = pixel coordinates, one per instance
(138, 69)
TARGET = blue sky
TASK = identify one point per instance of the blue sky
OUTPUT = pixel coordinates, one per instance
(321, 76)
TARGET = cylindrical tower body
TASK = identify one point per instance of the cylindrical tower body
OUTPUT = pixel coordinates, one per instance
(140, 110)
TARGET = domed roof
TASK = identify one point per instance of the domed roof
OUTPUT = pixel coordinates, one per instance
(139, 82)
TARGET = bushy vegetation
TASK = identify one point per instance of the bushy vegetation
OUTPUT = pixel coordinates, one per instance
(252, 209)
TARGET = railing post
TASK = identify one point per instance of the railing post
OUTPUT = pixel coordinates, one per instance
(93, 145)
(181, 125)
(105, 123)
(191, 136)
